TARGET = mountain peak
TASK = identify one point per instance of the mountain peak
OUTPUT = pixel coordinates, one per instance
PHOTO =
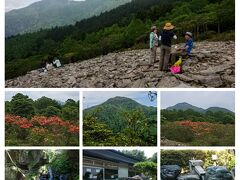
(59, 13)
(185, 106)
(118, 100)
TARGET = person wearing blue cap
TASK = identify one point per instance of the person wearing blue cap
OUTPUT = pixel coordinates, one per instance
(184, 51)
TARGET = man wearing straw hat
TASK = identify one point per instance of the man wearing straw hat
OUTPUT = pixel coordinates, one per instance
(166, 37)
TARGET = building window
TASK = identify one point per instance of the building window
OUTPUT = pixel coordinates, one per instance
(111, 174)
(92, 173)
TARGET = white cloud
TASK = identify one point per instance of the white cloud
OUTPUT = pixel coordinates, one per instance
(16, 4)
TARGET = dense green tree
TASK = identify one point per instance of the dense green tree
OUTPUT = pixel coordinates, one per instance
(22, 105)
(95, 133)
(70, 113)
(8, 107)
(43, 102)
(65, 162)
(222, 117)
(71, 102)
(135, 153)
(148, 168)
(50, 111)
(137, 127)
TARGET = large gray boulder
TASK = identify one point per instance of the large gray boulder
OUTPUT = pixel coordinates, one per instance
(218, 173)
(170, 172)
(188, 177)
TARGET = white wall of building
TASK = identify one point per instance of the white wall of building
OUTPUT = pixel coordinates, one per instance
(122, 172)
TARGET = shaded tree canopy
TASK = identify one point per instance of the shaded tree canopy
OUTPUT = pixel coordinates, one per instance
(24, 106)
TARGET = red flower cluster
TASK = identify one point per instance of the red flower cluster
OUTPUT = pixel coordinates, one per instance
(191, 124)
(38, 122)
(197, 127)
(74, 129)
(21, 122)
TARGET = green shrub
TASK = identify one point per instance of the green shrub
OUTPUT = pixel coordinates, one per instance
(175, 132)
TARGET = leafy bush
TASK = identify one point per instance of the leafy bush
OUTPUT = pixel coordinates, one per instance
(40, 130)
(199, 133)
(134, 129)
(174, 132)
(65, 162)
(148, 168)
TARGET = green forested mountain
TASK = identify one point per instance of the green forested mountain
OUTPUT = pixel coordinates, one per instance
(120, 121)
(124, 27)
(217, 109)
(112, 112)
(50, 13)
(186, 106)
(212, 115)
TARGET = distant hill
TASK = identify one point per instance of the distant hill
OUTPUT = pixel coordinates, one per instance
(185, 106)
(180, 112)
(50, 13)
(217, 109)
(110, 112)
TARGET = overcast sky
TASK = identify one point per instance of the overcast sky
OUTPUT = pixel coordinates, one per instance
(201, 99)
(16, 4)
(59, 95)
(149, 152)
(96, 98)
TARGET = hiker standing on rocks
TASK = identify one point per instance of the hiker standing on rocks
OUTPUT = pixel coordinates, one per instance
(153, 45)
(185, 51)
(166, 37)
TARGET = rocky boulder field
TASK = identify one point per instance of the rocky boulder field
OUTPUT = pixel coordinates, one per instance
(212, 65)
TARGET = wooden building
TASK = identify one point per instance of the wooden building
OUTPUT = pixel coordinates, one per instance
(107, 164)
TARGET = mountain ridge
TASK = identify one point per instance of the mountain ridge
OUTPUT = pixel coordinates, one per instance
(185, 106)
(59, 13)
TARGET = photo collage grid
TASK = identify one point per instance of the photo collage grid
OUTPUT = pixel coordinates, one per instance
(112, 134)
(119, 90)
